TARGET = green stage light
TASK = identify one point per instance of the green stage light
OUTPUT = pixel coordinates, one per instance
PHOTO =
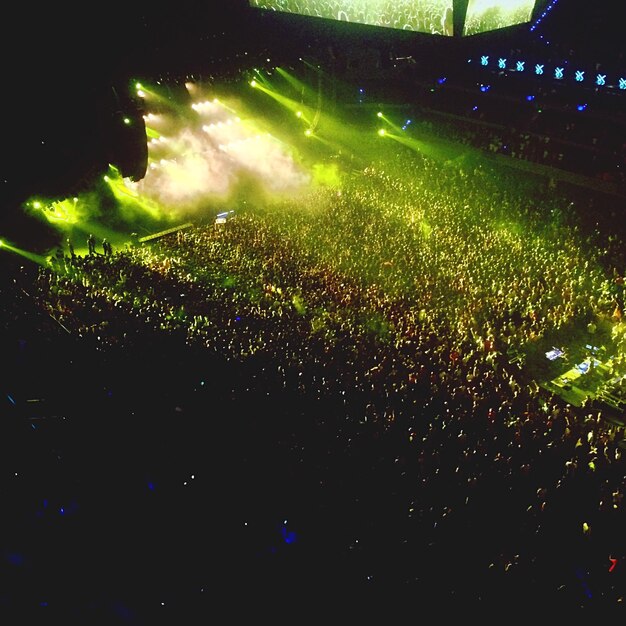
(379, 114)
(308, 132)
(382, 132)
(253, 83)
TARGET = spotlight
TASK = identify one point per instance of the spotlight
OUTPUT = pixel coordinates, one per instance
(382, 132)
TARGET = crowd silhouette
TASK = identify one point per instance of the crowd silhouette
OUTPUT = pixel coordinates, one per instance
(348, 357)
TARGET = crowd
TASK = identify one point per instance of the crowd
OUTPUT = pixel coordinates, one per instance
(542, 130)
(427, 16)
(479, 19)
(334, 376)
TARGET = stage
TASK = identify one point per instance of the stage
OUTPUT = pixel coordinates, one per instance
(583, 381)
(582, 368)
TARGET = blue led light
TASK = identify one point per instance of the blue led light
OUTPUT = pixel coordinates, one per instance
(288, 536)
(14, 558)
(543, 15)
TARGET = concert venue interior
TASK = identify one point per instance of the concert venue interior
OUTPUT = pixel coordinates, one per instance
(312, 304)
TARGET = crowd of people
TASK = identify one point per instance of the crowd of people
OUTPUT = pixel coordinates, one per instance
(482, 18)
(524, 122)
(335, 372)
(427, 16)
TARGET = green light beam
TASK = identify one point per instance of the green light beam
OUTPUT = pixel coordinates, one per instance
(31, 256)
(152, 133)
(383, 117)
(301, 87)
(288, 103)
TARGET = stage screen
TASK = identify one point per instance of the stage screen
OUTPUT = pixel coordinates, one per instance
(486, 15)
(422, 16)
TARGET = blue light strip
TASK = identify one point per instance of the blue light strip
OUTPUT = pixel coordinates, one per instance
(543, 15)
(557, 72)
